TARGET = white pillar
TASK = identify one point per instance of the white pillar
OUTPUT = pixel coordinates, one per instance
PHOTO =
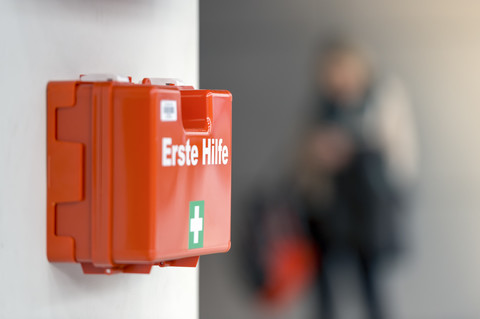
(54, 40)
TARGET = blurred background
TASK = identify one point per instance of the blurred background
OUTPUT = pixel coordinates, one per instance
(265, 53)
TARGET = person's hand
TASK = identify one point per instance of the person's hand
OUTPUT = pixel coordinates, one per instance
(330, 149)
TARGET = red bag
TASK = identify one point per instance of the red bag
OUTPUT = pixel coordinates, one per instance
(289, 258)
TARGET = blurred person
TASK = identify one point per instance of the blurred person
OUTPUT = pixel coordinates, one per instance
(355, 166)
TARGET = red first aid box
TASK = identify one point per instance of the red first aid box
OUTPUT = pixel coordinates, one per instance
(137, 174)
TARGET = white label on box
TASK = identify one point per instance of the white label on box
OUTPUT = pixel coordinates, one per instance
(168, 110)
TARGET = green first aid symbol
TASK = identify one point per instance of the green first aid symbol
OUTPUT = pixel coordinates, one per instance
(195, 234)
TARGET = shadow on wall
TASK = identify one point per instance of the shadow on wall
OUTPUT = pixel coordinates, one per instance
(100, 10)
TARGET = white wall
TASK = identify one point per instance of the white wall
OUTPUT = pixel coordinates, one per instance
(57, 39)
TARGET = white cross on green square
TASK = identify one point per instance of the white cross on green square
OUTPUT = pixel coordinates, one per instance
(195, 234)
